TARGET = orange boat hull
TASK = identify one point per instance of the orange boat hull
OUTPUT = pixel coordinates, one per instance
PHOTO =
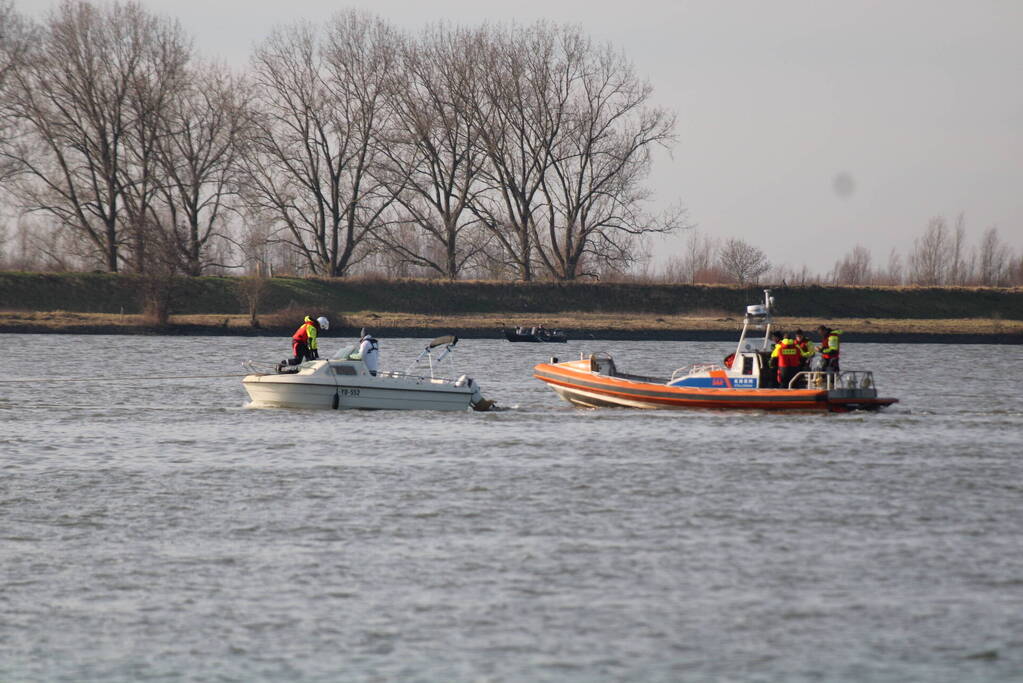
(587, 388)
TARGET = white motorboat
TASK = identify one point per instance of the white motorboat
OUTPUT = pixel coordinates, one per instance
(344, 382)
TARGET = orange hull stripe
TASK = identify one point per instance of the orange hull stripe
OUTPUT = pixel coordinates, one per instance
(744, 398)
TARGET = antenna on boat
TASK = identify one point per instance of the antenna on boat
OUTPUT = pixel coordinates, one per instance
(758, 317)
(769, 306)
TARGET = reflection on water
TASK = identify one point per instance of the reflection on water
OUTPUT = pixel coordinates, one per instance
(161, 529)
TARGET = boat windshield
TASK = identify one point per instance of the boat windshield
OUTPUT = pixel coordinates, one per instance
(344, 352)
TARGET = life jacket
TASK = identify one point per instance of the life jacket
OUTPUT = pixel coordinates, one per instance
(313, 332)
(829, 349)
(301, 334)
(788, 354)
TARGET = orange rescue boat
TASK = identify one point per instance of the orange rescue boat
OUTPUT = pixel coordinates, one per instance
(594, 381)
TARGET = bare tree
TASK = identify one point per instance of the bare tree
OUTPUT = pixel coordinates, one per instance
(598, 159)
(929, 263)
(695, 261)
(14, 30)
(198, 160)
(994, 258)
(435, 160)
(161, 79)
(961, 262)
(515, 136)
(894, 273)
(309, 161)
(854, 268)
(788, 276)
(86, 95)
(16, 37)
(1015, 271)
(252, 291)
(743, 262)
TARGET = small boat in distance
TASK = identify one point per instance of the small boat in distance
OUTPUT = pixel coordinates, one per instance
(740, 382)
(535, 334)
(344, 382)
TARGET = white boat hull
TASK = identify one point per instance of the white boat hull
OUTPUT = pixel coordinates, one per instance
(321, 385)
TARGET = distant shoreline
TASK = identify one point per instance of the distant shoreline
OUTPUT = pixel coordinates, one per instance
(578, 327)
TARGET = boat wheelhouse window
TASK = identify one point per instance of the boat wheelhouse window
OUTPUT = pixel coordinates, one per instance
(344, 370)
(747, 365)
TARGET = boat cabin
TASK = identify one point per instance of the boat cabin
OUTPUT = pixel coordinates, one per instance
(749, 367)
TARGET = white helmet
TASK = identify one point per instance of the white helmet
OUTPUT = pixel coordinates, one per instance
(324, 323)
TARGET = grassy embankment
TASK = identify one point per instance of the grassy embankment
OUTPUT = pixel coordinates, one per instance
(92, 302)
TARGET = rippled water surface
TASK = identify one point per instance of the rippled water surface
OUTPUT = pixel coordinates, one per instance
(161, 530)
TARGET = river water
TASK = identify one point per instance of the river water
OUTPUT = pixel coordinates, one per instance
(161, 530)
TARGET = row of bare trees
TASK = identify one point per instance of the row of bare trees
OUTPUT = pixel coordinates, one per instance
(496, 152)
(119, 138)
(704, 259)
(942, 255)
(516, 151)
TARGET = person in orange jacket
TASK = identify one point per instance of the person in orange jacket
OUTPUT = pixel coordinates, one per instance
(787, 358)
(806, 350)
(300, 342)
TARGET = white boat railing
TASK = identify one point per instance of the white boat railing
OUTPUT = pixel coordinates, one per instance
(822, 379)
(258, 367)
(422, 377)
(696, 368)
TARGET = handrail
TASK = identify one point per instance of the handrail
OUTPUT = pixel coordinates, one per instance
(398, 374)
(824, 379)
(260, 367)
(696, 367)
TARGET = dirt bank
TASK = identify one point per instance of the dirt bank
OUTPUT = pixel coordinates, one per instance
(490, 325)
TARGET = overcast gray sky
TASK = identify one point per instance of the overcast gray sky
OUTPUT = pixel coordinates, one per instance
(806, 127)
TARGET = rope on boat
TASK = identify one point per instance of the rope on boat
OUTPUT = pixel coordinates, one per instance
(112, 379)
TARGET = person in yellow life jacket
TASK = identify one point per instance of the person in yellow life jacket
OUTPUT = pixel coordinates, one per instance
(830, 342)
(786, 358)
(313, 330)
(769, 380)
(806, 350)
(316, 326)
(304, 341)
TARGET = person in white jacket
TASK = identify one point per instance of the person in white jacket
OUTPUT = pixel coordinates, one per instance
(369, 352)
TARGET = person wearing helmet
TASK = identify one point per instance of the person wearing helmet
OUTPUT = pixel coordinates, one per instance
(316, 325)
(303, 342)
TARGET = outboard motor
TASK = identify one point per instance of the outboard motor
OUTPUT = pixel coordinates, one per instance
(477, 401)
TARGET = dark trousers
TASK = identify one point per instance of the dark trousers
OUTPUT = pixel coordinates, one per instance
(301, 351)
(829, 364)
(785, 376)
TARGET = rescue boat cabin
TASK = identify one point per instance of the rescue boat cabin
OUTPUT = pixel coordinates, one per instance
(749, 367)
